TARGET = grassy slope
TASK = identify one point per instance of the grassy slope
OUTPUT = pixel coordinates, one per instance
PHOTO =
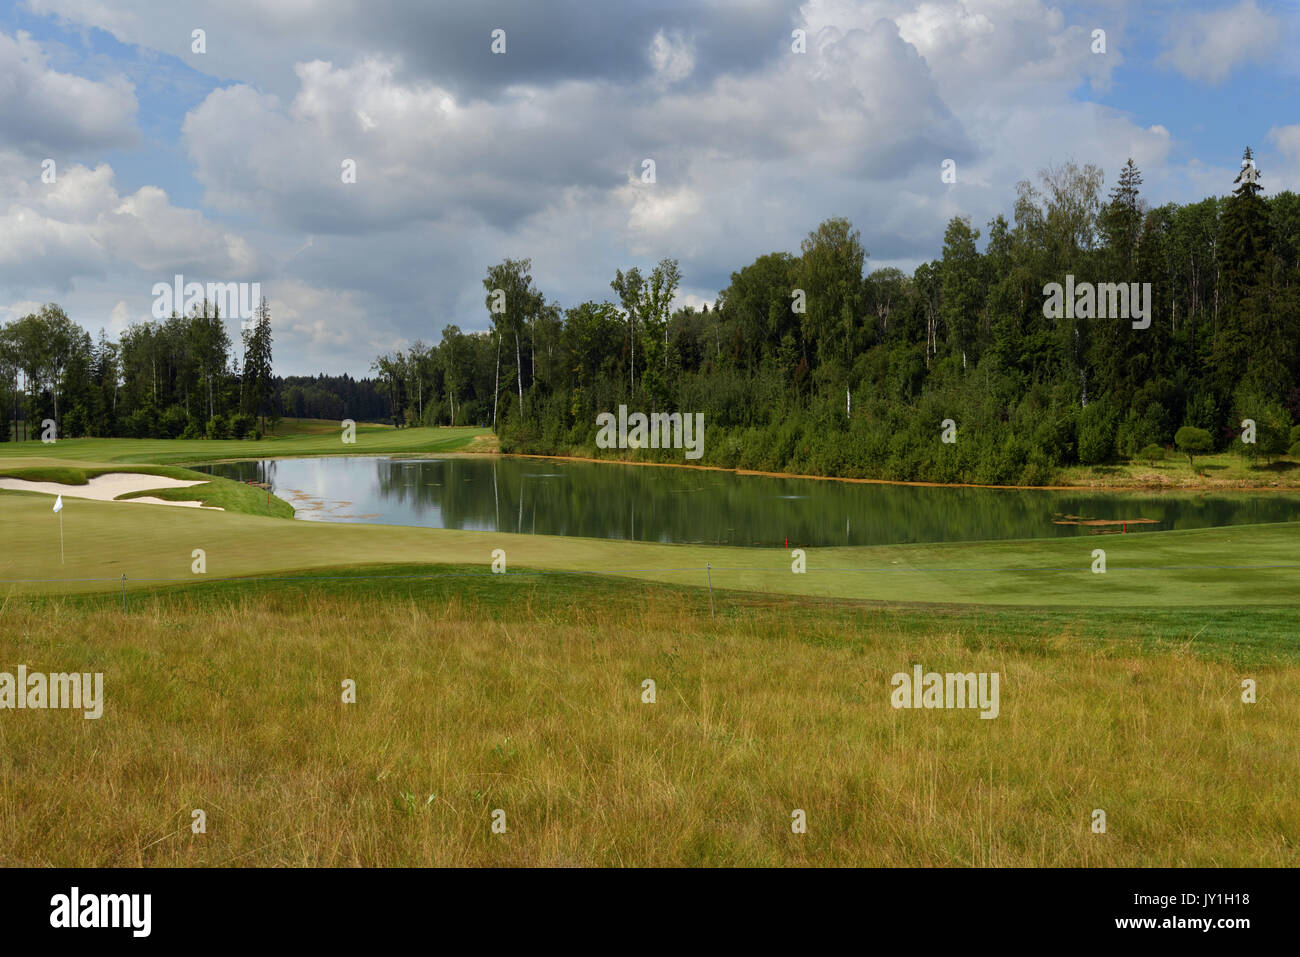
(524, 694)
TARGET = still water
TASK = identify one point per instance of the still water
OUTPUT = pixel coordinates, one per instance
(643, 503)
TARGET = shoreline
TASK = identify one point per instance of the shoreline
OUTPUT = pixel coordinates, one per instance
(494, 453)
(870, 481)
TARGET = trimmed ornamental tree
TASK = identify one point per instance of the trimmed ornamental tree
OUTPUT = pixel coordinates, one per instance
(1152, 454)
(1194, 442)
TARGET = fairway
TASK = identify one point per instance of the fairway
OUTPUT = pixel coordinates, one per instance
(1239, 566)
(317, 440)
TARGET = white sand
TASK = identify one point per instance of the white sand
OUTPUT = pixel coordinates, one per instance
(106, 488)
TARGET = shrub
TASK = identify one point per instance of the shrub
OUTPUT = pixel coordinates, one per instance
(217, 428)
(1152, 454)
(1096, 435)
(241, 424)
(173, 421)
(139, 424)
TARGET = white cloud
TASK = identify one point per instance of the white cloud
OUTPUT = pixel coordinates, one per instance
(1286, 140)
(672, 58)
(42, 109)
(16, 310)
(80, 226)
(449, 181)
(1207, 46)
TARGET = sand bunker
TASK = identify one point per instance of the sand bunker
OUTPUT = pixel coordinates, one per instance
(107, 488)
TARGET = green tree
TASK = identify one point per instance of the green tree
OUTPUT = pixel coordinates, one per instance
(257, 362)
(1193, 442)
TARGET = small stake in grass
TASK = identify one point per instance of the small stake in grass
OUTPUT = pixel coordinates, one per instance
(123, 592)
(708, 567)
(58, 507)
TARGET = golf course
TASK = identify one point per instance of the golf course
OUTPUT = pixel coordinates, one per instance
(524, 692)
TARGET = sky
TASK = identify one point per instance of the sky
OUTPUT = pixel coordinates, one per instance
(228, 165)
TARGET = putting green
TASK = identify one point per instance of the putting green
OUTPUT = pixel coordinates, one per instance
(1241, 566)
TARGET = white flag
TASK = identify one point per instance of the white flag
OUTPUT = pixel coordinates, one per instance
(58, 504)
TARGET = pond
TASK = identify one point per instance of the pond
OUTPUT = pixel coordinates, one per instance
(645, 503)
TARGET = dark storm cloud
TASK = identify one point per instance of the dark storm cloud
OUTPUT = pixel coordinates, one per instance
(570, 39)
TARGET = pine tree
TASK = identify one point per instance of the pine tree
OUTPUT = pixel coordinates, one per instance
(1244, 242)
(1244, 232)
(1122, 219)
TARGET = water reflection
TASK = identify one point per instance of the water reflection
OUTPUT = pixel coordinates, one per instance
(686, 505)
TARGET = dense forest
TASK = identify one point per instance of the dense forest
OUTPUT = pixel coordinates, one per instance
(808, 363)
(176, 378)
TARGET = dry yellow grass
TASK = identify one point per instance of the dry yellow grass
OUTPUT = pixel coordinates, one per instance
(233, 705)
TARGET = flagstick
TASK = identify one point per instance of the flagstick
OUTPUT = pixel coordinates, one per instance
(61, 562)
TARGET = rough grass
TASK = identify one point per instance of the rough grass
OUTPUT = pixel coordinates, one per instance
(524, 693)
(1220, 471)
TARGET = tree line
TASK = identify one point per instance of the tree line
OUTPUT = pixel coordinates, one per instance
(809, 363)
(181, 377)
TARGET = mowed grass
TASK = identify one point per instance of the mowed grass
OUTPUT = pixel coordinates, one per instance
(303, 438)
(1246, 567)
(478, 692)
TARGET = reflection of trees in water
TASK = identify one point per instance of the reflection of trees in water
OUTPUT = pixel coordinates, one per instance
(650, 504)
(679, 505)
(257, 471)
